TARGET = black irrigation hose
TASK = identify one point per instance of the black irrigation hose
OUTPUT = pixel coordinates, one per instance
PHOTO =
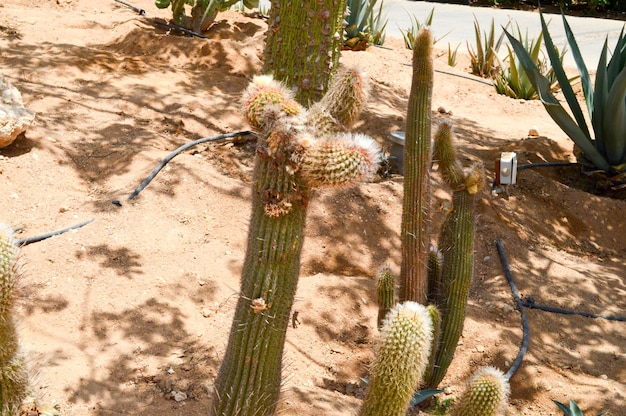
(544, 165)
(37, 238)
(533, 305)
(176, 152)
(518, 301)
(142, 12)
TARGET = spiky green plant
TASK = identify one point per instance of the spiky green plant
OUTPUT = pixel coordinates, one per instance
(511, 80)
(483, 59)
(296, 152)
(416, 25)
(386, 291)
(401, 357)
(364, 24)
(14, 380)
(605, 149)
(203, 12)
(452, 54)
(486, 394)
(572, 410)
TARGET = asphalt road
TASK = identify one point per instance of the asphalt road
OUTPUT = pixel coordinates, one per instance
(456, 22)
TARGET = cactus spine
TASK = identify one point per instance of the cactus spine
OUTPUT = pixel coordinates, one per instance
(486, 395)
(303, 44)
(401, 358)
(292, 158)
(386, 290)
(417, 156)
(14, 380)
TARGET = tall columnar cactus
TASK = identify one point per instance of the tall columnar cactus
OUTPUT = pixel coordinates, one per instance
(13, 376)
(456, 243)
(386, 291)
(486, 395)
(303, 44)
(401, 359)
(417, 158)
(293, 157)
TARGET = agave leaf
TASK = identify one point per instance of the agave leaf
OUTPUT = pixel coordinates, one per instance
(422, 395)
(617, 60)
(566, 87)
(600, 94)
(554, 108)
(585, 79)
(614, 122)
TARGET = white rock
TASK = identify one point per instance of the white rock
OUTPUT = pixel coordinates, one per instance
(14, 117)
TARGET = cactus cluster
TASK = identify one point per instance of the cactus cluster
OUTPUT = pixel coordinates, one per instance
(440, 275)
(298, 150)
(14, 381)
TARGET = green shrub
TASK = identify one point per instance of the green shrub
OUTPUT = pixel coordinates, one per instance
(484, 58)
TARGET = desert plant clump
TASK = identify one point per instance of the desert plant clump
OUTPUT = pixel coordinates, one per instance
(605, 149)
(511, 80)
(364, 24)
(203, 12)
(486, 394)
(14, 380)
(296, 153)
(484, 59)
(401, 358)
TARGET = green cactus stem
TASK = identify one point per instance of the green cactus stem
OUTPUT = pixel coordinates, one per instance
(14, 379)
(435, 264)
(435, 317)
(417, 158)
(386, 291)
(401, 358)
(291, 159)
(303, 45)
(486, 395)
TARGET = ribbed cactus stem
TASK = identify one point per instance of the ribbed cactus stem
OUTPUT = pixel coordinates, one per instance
(457, 245)
(13, 376)
(303, 45)
(445, 155)
(341, 160)
(417, 159)
(386, 291)
(486, 395)
(435, 317)
(346, 96)
(264, 92)
(435, 264)
(401, 358)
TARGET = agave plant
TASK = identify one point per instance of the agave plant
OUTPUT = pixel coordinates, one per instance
(484, 58)
(416, 26)
(605, 149)
(511, 79)
(572, 410)
(364, 24)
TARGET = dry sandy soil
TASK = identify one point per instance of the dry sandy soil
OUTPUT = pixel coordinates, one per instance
(117, 315)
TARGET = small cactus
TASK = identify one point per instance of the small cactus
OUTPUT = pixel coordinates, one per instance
(386, 290)
(14, 381)
(486, 395)
(262, 93)
(401, 359)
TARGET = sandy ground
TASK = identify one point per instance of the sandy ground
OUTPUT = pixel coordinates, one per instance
(136, 305)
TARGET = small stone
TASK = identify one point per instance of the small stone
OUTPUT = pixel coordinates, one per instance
(604, 377)
(207, 313)
(179, 396)
(480, 348)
